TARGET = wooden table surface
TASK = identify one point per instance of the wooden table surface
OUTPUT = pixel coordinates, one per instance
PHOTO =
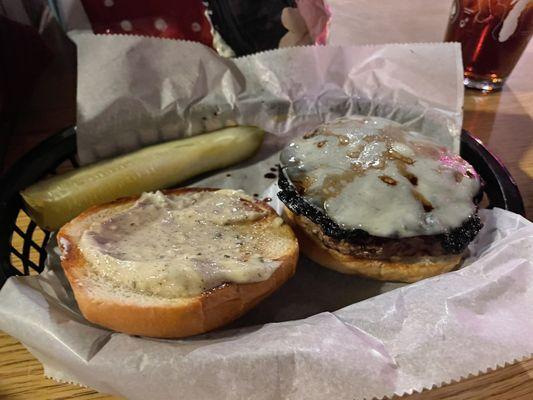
(503, 121)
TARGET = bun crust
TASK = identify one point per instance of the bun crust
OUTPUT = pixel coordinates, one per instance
(146, 315)
(405, 270)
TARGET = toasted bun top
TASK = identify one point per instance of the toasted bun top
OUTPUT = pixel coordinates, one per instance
(371, 174)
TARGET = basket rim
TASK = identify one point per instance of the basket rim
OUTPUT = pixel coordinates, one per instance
(32, 166)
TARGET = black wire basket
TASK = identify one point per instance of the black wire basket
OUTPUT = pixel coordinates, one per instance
(27, 254)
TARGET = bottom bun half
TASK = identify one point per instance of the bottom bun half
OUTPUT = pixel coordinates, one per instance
(409, 270)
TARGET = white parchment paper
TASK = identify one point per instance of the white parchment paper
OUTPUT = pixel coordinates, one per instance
(411, 338)
(134, 91)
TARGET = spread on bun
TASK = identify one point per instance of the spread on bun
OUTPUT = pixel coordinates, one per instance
(177, 263)
(367, 197)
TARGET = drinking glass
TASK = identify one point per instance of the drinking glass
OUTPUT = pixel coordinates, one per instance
(493, 34)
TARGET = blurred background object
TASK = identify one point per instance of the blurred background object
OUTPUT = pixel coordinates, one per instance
(387, 21)
(252, 26)
(249, 26)
(184, 19)
(493, 35)
(37, 77)
(232, 27)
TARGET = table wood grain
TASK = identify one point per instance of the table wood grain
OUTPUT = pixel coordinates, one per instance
(503, 121)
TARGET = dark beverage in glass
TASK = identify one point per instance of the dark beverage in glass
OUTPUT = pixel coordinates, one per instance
(493, 35)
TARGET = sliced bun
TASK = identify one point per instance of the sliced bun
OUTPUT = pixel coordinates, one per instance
(406, 270)
(127, 311)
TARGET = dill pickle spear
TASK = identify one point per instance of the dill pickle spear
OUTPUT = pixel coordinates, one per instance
(55, 201)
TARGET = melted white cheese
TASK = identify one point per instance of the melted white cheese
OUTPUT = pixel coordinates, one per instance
(369, 173)
(178, 246)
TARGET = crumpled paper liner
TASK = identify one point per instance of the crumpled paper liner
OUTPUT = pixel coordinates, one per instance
(405, 340)
(127, 101)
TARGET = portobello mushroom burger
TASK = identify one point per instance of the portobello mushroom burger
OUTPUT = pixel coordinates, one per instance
(366, 196)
